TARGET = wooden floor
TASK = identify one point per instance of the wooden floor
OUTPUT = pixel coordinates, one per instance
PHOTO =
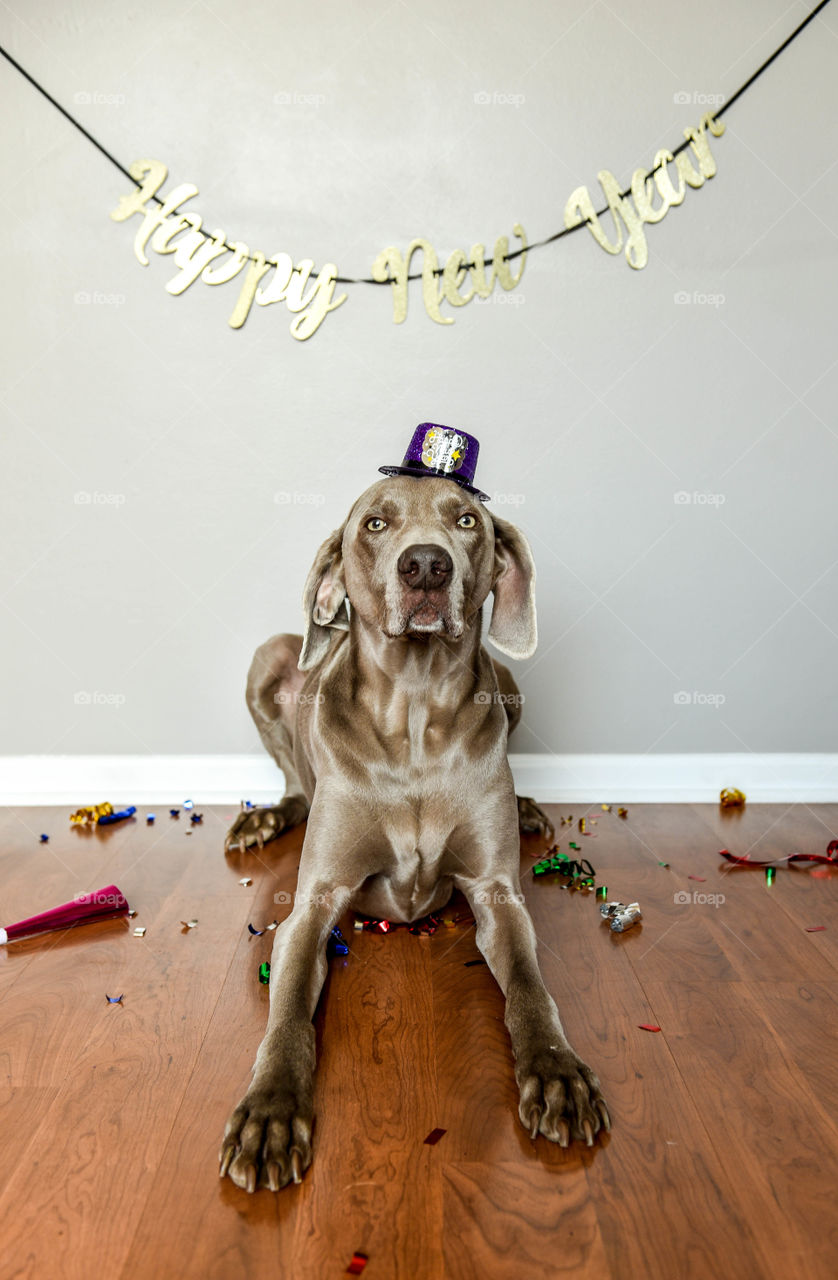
(722, 1161)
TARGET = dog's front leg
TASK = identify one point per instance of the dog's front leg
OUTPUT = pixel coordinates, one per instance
(560, 1096)
(267, 1141)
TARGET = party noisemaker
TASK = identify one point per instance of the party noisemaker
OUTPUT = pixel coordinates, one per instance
(104, 904)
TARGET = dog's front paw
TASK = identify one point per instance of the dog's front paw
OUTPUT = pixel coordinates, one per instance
(533, 820)
(258, 826)
(267, 1141)
(561, 1097)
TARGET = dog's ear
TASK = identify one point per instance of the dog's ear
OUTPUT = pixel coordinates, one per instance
(324, 601)
(513, 627)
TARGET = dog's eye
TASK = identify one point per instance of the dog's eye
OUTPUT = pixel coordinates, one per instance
(375, 524)
(467, 521)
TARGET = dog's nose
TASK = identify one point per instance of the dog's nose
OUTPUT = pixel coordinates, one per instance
(425, 566)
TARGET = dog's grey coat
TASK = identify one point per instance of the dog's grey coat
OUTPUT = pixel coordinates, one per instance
(390, 720)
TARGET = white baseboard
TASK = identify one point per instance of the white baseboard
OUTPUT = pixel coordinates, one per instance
(573, 779)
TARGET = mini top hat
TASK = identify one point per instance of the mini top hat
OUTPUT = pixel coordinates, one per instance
(435, 450)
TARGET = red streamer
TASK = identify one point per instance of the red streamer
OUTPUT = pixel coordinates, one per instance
(830, 858)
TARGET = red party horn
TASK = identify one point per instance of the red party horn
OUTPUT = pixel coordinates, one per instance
(85, 907)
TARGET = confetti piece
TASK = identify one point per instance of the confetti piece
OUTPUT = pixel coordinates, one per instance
(245, 880)
(731, 798)
(90, 813)
(432, 1138)
(575, 846)
(188, 833)
(606, 808)
(265, 973)
(174, 813)
(622, 813)
(770, 873)
(107, 818)
(703, 879)
(113, 999)
(274, 925)
(619, 916)
(470, 963)
(132, 912)
(150, 818)
(356, 1266)
(648, 1026)
(139, 932)
(257, 933)
(582, 824)
(44, 839)
(664, 864)
(815, 928)
(189, 924)
(189, 804)
(196, 818)
(336, 944)
(602, 892)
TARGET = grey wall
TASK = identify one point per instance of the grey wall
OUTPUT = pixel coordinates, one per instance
(596, 395)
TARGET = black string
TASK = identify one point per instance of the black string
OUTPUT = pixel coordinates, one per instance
(510, 257)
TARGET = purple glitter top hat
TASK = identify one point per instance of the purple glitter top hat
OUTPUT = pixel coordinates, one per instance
(435, 450)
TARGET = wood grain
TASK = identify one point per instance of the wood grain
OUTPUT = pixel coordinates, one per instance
(723, 1154)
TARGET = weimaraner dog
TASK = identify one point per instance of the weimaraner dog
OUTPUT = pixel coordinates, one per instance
(389, 720)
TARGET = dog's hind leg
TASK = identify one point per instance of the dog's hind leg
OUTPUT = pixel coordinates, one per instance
(273, 687)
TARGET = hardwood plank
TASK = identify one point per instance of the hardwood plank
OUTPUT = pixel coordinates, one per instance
(119, 1070)
(507, 1221)
(724, 1145)
(777, 1137)
(373, 1179)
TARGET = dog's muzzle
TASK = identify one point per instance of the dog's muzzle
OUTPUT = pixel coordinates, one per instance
(425, 571)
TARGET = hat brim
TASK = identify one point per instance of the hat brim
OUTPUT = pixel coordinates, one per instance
(436, 475)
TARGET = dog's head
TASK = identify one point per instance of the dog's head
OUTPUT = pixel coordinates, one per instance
(418, 558)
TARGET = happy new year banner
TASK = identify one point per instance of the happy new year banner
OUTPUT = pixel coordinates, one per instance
(168, 228)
